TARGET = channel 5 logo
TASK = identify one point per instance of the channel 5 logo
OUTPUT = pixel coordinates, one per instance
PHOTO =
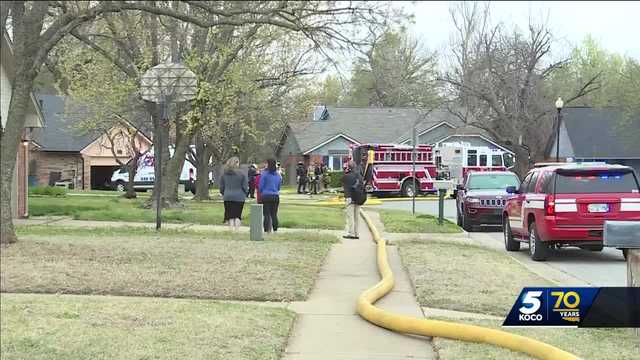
(565, 303)
(550, 306)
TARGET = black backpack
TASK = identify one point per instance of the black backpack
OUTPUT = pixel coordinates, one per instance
(359, 192)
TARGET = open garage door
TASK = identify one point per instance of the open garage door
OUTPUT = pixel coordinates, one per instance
(101, 177)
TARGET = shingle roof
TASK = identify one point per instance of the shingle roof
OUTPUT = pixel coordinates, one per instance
(58, 133)
(596, 133)
(365, 125)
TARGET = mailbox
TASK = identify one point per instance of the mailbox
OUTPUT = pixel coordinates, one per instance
(443, 184)
(622, 234)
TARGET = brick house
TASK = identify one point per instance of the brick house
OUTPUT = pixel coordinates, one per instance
(61, 153)
(578, 140)
(326, 134)
(34, 119)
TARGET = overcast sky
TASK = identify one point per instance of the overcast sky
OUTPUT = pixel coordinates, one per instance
(615, 25)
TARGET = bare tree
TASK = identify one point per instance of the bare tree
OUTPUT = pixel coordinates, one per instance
(499, 79)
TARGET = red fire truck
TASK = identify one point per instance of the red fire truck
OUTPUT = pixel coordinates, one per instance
(388, 168)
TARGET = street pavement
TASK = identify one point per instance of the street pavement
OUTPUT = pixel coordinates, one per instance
(606, 268)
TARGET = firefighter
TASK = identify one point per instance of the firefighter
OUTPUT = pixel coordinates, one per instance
(301, 177)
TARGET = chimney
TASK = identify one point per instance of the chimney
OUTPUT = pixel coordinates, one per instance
(320, 113)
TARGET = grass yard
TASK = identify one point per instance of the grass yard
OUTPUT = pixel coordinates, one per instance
(104, 208)
(594, 344)
(465, 277)
(81, 327)
(179, 263)
(399, 221)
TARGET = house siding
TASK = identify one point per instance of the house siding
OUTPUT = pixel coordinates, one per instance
(69, 165)
(435, 135)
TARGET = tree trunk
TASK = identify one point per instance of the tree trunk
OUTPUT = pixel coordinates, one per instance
(523, 164)
(10, 139)
(133, 169)
(203, 156)
(173, 167)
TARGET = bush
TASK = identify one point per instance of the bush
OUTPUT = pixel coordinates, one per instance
(48, 191)
(336, 179)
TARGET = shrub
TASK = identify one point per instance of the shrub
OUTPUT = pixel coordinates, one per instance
(336, 179)
(48, 190)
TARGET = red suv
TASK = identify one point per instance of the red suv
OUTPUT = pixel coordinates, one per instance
(566, 205)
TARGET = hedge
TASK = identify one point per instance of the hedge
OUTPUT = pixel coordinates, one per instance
(48, 191)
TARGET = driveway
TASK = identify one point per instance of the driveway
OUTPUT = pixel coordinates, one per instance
(581, 267)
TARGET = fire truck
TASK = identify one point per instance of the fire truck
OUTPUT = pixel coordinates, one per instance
(388, 168)
(455, 160)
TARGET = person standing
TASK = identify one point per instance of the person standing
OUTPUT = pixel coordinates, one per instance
(234, 188)
(251, 174)
(270, 182)
(302, 178)
(317, 171)
(311, 178)
(349, 181)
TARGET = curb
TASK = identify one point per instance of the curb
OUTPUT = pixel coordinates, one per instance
(438, 328)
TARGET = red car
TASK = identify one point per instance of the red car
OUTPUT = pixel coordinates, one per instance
(567, 204)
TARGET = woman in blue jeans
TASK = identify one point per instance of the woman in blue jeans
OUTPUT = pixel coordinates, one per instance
(270, 181)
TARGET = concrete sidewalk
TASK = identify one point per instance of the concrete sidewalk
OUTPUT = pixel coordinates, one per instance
(328, 327)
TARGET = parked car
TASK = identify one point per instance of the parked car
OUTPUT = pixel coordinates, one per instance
(566, 205)
(481, 197)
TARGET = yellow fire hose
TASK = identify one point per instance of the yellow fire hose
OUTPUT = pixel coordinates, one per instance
(436, 328)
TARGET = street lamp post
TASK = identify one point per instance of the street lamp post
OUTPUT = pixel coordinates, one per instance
(559, 105)
(162, 84)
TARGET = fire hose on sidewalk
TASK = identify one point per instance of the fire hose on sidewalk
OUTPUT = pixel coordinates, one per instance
(436, 328)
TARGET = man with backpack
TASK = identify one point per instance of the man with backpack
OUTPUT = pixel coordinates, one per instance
(354, 195)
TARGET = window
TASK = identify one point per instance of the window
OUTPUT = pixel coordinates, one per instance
(496, 160)
(508, 160)
(531, 186)
(525, 183)
(595, 182)
(478, 181)
(472, 158)
(483, 160)
(546, 183)
(335, 162)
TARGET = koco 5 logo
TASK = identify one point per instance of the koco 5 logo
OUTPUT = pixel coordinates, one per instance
(530, 306)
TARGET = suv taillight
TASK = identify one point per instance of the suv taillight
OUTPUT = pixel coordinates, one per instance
(550, 205)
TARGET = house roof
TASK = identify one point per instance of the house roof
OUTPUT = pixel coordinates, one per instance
(596, 133)
(59, 133)
(367, 125)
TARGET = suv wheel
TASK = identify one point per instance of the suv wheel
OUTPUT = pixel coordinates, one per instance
(466, 223)
(509, 243)
(120, 187)
(537, 248)
(458, 218)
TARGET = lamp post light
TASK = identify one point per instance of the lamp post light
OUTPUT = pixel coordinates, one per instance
(163, 84)
(559, 105)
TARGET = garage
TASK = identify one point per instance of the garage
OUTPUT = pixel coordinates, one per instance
(101, 177)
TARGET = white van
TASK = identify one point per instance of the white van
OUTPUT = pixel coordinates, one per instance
(145, 176)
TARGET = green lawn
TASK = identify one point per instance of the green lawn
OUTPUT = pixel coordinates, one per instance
(604, 344)
(92, 327)
(465, 277)
(138, 262)
(104, 208)
(399, 221)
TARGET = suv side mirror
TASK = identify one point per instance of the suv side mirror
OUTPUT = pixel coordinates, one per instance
(512, 190)
(460, 187)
